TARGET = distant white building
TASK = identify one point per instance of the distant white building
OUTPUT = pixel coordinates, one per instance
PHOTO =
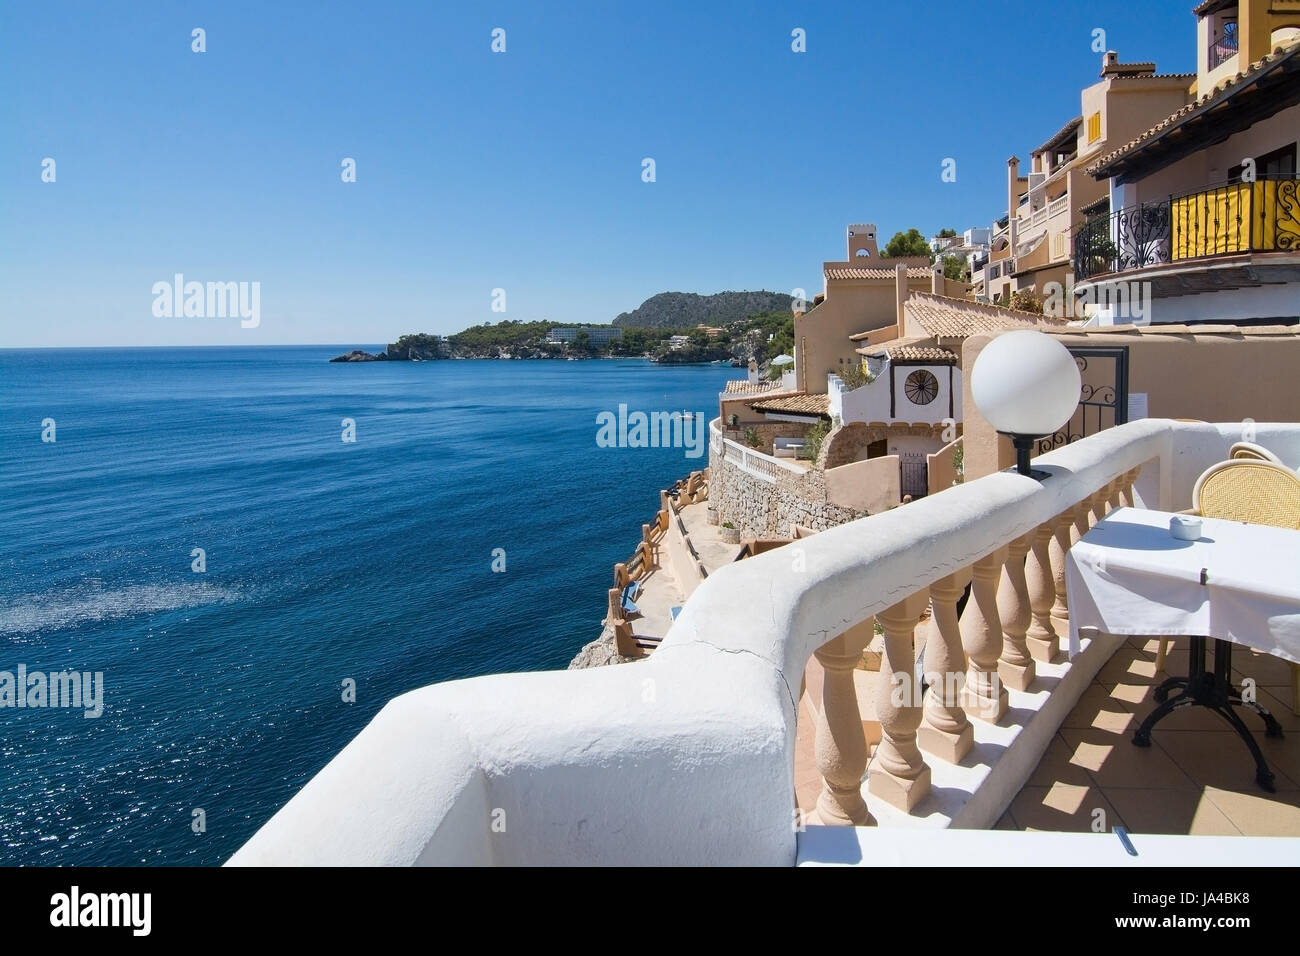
(598, 335)
(676, 342)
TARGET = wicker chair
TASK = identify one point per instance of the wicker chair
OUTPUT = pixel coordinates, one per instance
(1251, 452)
(1250, 490)
(1255, 491)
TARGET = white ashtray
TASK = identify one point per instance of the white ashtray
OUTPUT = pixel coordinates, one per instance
(1185, 527)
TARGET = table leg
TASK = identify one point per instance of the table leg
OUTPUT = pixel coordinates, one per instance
(1213, 690)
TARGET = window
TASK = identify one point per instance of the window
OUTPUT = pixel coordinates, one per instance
(1279, 164)
(1094, 127)
(921, 387)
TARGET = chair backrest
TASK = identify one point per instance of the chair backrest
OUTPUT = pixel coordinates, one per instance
(1258, 492)
(1252, 452)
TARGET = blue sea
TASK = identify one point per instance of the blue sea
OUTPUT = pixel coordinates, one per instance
(326, 562)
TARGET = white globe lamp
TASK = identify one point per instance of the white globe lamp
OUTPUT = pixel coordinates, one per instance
(1026, 385)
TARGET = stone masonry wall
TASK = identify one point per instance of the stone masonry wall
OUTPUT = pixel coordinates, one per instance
(761, 509)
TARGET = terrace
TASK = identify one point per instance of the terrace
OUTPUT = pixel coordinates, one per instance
(694, 756)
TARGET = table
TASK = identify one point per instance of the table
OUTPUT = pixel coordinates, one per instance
(1238, 584)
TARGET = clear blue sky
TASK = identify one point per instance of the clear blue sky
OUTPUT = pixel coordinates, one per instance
(520, 170)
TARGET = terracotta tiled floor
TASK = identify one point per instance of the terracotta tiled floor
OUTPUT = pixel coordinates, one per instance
(1196, 777)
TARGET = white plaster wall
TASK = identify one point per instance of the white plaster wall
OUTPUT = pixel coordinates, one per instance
(870, 403)
(1209, 167)
(1270, 301)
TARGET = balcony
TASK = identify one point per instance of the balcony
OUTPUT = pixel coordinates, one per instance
(1237, 218)
(690, 756)
(1222, 47)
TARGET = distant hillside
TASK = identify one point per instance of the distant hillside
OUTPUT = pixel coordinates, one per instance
(686, 309)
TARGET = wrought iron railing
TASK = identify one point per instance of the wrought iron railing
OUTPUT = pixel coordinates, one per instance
(1223, 46)
(1259, 216)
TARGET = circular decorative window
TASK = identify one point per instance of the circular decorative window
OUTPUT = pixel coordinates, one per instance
(921, 387)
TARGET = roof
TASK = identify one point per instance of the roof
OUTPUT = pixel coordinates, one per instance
(1064, 134)
(1193, 328)
(1194, 115)
(795, 405)
(914, 353)
(1209, 6)
(858, 272)
(740, 386)
(948, 318)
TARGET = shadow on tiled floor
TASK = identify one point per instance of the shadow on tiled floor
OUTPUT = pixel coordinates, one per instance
(1197, 777)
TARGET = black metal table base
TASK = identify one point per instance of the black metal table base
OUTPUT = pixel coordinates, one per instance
(1212, 689)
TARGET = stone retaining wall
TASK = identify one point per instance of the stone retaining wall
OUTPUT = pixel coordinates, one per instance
(763, 509)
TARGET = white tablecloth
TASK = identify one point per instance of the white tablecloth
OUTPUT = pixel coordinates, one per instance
(1239, 582)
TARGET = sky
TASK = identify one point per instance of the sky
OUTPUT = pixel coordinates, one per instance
(520, 170)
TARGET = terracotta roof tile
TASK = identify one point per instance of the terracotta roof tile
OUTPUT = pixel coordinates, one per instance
(795, 405)
(944, 317)
(921, 353)
(1220, 92)
(742, 386)
(859, 272)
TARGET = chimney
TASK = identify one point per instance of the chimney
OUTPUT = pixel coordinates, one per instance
(900, 290)
(1109, 59)
(936, 277)
(1013, 199)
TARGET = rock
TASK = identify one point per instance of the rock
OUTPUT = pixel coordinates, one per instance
(599, 653)
(360, 355)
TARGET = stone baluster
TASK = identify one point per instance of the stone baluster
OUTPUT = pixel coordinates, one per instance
(945, 731)
(1127, 495)
(1114, 499)
(898, 774)
(981, 635)
(1056, 551)
(1097, 505)
(840, 746)
(1080, 527)
(1016, 665)
(1041, 638)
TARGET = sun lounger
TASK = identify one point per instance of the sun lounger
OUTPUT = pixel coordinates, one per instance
(629, 595)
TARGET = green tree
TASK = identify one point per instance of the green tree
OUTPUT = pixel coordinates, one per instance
(699, 338)
(910, 243)
(947, 233)
(954, 267)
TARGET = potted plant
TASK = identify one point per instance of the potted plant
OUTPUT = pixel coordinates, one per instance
(730, 533)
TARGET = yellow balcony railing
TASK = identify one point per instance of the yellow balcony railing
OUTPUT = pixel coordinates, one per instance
(1260, 216)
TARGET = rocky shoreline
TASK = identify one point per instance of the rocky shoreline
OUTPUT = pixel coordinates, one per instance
(600, 653)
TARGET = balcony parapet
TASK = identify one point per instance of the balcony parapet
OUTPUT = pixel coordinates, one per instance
(688, 758)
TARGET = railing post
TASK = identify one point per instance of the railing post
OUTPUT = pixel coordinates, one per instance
(1041, 638)
(898, 774)
(840, 746)
(1015, 665)
(981, 635)
(945, 731)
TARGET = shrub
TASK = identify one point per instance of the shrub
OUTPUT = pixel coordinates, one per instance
(813, 441)
(1026, 300)
(854, 376)
(751, 438)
